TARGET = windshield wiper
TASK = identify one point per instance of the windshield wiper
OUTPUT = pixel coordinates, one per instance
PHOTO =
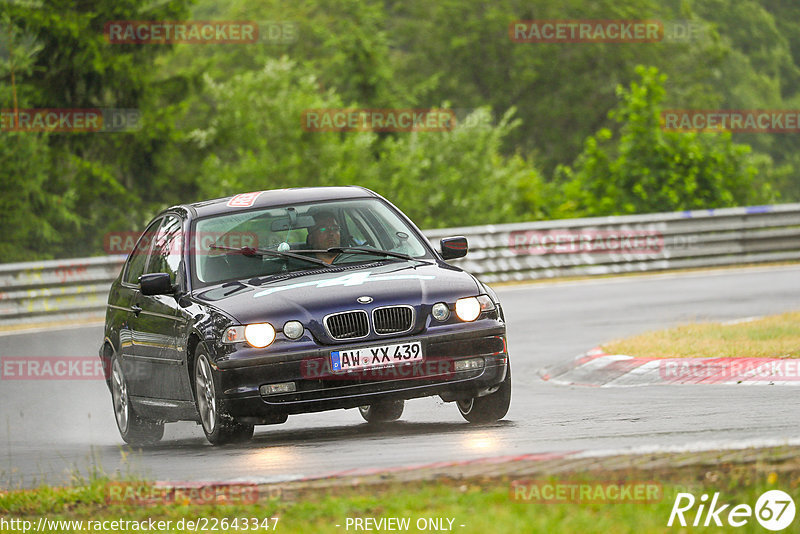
(252, 252)
(367, 250)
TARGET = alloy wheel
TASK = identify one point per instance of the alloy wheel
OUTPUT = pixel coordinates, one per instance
(119, 392)
(206, 399)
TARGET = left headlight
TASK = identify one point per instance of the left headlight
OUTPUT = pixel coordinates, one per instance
(258, 335)
(470, 308)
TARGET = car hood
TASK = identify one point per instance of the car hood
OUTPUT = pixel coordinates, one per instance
(310, 297)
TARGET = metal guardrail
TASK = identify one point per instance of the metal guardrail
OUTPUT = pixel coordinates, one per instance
(57, 289)
(61, 289)
(678, 240)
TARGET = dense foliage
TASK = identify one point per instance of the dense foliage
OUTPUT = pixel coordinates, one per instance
(545, 130)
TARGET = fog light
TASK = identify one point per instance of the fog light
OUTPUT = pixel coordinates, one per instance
(293, 329)
(274, 389)
(440, 311)
(467, 365)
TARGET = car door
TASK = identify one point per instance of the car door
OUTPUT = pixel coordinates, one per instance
(158, 352)
(128, 305)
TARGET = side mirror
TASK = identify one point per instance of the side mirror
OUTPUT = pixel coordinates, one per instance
(454, 247)
(156, 284)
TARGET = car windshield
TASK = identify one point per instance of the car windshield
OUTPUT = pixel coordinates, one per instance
(274, 241)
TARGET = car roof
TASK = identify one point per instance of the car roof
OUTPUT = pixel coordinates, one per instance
(274, 197)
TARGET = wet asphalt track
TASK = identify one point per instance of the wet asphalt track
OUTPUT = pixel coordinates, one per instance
(53, 430)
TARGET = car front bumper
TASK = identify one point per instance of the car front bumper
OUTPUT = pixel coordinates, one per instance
(318, 389)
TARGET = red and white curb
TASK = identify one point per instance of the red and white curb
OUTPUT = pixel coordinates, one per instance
(596, 368)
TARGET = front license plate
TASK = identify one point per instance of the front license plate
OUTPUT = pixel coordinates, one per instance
(369, 357)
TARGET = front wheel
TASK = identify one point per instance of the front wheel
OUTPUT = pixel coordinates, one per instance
(489, 408)
(218, 426)
(383, 411)
(134, 430)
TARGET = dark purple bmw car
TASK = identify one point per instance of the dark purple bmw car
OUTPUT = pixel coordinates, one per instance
(243, 310)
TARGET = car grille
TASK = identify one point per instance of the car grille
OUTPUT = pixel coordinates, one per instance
(393, 319)
(347, 325)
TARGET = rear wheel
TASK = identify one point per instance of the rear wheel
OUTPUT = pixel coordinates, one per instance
(134, 430)
(218, 425)
(489, 408)
(383, 411)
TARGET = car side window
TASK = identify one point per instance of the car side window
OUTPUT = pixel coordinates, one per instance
(167, 248)
(134, 268)
(356, 229)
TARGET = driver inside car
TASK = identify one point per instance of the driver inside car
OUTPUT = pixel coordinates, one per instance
(325, 234)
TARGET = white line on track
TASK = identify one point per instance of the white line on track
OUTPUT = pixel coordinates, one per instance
(633, 277)
(50, 328)
(700, 446)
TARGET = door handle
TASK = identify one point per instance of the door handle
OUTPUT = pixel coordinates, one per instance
(136, 309)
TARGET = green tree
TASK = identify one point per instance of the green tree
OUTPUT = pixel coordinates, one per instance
(33, 213)
(344, 42)
(460, 51)
(109, 177)
(645, 169)
(34, 218)
(249, 134)
(461, 177)
(452, 178)
(761, 71)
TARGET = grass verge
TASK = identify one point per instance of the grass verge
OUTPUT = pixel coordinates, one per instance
(776, 336)
(479, 504)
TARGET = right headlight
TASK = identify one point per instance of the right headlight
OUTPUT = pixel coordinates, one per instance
(470, 308)
(258, 335)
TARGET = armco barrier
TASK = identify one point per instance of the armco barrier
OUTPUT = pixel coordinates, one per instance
(48, 290)
(53, 290)
(688, 239)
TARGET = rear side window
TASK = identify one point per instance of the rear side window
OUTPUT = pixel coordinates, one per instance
(138, 258)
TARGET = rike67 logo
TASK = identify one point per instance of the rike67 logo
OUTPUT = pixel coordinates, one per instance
(774, 510)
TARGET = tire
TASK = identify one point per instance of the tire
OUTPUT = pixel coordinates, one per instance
(135, 430)
(218, 425)
(383, 411)
(489, 408)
